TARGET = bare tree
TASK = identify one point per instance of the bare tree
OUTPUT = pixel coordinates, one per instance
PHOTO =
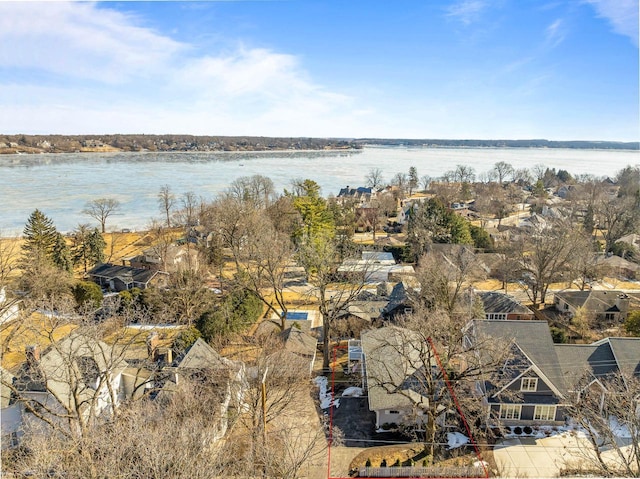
(9, 258)
(447, 278)
(319, 257)
(604, 412)
(415, 360)
(188, 213)
(73, 385)
(171, 438)
(262, 261)
(543, 256)
(503, 171)
(101, 209)
(166, 202)
(161, 241)
(464, 174)
(275, 402)
(257, 191)
(425, 182)
(374, 178)
(617, 216)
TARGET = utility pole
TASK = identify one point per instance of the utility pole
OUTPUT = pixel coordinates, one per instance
(264, 405)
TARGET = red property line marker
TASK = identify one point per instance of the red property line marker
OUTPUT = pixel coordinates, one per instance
(449, 387)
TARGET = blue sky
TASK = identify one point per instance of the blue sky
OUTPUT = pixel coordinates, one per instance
(555, 69)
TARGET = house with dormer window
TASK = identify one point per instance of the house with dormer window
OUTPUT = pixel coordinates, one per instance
(529, 388)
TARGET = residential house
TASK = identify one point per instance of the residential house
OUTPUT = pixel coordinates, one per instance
(302, 345)
(376, 266)
(401, 301)
(529, 389)
(618, 267)
(603, 306)
(498, 305)
(360, 194)
(78, 377)
(202, 364)
(10, 413)
(123, 278)
(9, 309)
(592, 366)
(390, 376)
(172, 259)
(633, 239)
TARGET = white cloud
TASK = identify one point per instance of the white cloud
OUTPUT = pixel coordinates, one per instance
(467, 11)
(622, 14)
(80, 40)
(555, 33)
(105, 73)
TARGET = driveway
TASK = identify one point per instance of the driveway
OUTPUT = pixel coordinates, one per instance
(531, 457)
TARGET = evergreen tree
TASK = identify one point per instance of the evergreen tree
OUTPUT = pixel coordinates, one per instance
(81, 253)
(40, 237)
(88, 246)
(97, 244)
(413, 179)
(61, 254)
(316, 217)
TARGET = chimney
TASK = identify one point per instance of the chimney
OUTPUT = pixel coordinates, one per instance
(165, 355)
(622, 302)
(32, 352)
(152, 345)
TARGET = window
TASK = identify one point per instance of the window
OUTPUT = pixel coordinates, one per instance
(529, 384)
(609, 316)
(510, 411)
(501, 316)
(394, 412)
(544, 413)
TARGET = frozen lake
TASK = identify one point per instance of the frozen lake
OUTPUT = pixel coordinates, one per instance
(61, 184)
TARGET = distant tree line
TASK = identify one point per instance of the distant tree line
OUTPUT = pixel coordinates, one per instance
(90, 143)
(595, 145)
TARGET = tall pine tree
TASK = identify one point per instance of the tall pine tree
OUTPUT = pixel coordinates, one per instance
(61, 254)
(40, 236)
(97, 244)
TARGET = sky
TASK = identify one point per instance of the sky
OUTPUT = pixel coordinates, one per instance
(482, 69)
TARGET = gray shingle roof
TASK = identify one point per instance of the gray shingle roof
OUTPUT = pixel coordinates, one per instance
(534, 340)
(202, 356)
(299, 342)
(70, 369)
(391, 357)
(580, 360)
(627, 354)
(495, 302)
(126, 274)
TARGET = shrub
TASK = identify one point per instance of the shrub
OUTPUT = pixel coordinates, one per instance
(632, 323)
(558, 335)
(368, 463)
(517, 430)
(383, 463)
(527, 430)
(397, 463)
(87, 294)
(185, 339)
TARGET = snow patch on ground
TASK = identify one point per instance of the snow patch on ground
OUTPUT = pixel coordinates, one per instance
(619, 430)
(326, 397)
(456, 439)
(352, 392)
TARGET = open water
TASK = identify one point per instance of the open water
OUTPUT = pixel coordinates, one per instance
(61, 184)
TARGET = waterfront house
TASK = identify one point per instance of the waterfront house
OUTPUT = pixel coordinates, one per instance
(123, 278)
